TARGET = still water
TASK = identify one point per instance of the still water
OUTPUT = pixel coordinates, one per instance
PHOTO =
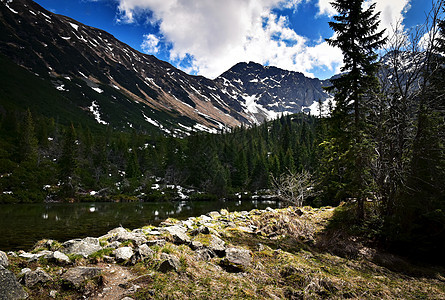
(21, 225)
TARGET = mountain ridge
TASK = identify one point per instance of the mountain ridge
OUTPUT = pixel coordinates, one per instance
(93, 69)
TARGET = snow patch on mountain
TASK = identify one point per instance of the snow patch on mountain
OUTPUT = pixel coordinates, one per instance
(97, 90)
(75, 26)
(94, 109)
(10, 7)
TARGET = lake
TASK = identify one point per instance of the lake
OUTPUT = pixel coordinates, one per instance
(22, 225)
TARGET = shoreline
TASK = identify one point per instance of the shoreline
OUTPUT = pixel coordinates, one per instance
(270, 253)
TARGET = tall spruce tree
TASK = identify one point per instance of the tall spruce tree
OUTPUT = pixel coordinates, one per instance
(358, 37)
(67, 163)
(28, 142)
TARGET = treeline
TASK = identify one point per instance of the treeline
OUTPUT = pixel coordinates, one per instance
(385, 147)
(41, 160)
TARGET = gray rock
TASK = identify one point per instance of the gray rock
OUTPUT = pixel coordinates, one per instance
(200, 230)
(117, 230)
(76, 276)
(154, 232)
(10, 288)
(170, 264)
(217, 245)
(91, 240)
(141, 254)
(35, 256)
(195, 245)
(25, 270)
(122, 254)
(83, 247)
(178, 234)
(144, 251)
(59, 257)
(122, 235)
(114, 245)
(48, 244)
(236, 260)
(4, 262)
(53, 293)
(239, 256)
(188, 223)
(214, 214)
(159, 243)
(204, 254)
(31, 278)
(12, 254)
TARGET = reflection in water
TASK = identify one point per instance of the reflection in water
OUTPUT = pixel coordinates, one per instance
(21, 225)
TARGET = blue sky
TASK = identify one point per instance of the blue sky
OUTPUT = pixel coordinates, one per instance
(207, 37)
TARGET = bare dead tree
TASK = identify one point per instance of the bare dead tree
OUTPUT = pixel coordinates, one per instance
(294, 187)
(404, 78)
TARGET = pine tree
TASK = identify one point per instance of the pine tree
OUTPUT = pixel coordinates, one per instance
(28, 141)
(240, 172)
(67, 163)
(357, 37)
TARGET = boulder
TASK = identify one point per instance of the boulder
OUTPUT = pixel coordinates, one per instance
(144, 251)
(35, 256)
(4, 262)
(123, 254)
(141, 254)
(25, 270)
(200, 230)
(59, 257)
(195, 245)
(122, 235)
(76, 276)
(188, 223)
(217, 245)
(83, 247)
(10, 288)
(204, 254)
(169, 264)
(236, 260)
(31, 278)
(178, 234)
(214, 214)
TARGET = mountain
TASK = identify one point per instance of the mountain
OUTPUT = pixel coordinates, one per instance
(72, 71)
(270, 91)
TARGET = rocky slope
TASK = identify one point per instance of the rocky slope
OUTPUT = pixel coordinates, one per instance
(261, 254)
(267, 92)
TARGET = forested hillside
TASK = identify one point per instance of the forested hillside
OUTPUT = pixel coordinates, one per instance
(43, 160)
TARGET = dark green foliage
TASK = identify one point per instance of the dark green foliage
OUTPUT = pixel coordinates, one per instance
(74, 160)
(67, 163)
(348, 151)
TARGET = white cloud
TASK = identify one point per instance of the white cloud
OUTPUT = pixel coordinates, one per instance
(150, 44)
(392, 11)
(214, 35)
(325, 8)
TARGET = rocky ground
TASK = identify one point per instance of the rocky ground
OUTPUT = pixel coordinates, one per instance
(262, 254)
